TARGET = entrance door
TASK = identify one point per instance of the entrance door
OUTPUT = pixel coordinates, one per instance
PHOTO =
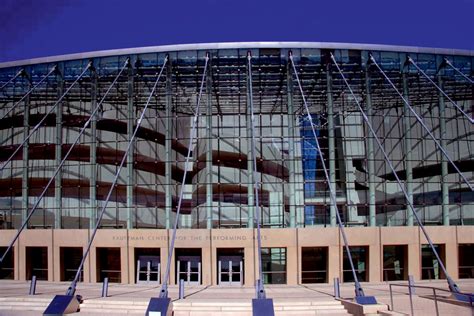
(230, 270)
(148, 269)
(189, 269)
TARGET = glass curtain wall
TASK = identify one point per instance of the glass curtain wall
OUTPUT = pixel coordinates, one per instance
(218, 187)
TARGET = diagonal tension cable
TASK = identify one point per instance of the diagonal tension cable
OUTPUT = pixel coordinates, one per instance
(37, 126)
(164, 285)
(420, 120)
(13, 78)
(441, 90)
(72, 288)
(56, 171)
(448, 62)
(29, 92)
(259, 284)
(358, 288)
(453, 287)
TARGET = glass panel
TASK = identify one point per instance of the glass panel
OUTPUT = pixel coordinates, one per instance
(360, 258)
(37, 263)
(274, 265)
(395, 261)
(70, 258)
(314, 263)
(109, 265)
(430, 269)
(466, 261)
(7, 266)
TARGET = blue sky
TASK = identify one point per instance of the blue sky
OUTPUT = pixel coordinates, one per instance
(36, 28)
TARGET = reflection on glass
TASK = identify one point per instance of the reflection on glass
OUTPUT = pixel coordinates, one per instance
(430, 269)
(274, 265)
(360, 258)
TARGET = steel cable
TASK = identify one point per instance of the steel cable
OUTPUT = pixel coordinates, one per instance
(358, 289)
(260, 289)
(441, 90)
(37, 126)
(29, 92)
(72, 288)
(420, 120)
(451, 283)
(164, 286)
(459, 71)
(56, 171)
(13, 78)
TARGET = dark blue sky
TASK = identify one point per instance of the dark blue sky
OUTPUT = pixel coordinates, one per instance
(35, 28)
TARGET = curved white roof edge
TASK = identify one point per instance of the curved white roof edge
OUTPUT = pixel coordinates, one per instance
(234, 45)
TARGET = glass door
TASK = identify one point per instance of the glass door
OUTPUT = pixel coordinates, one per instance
(230, 270)
(148, 269)
(189, 269)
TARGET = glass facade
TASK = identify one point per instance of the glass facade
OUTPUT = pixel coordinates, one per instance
(218, 187)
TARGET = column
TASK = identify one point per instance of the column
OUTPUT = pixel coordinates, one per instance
(370, 151)
(291, 146)
(407, 144)
(168, 138)
(248, 141)
(25, 173)
(443, 143)
(209, 147)
(331, 142)
(58, 152)
(131, 152)
(93, 154)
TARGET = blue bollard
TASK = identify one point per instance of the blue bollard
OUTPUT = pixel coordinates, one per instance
(105, 287)
(33, 285)
(181, 289)
(337, 289)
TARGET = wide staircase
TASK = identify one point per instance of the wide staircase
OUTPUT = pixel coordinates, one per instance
(110, 306)
(215, 307)
(24, 305)
(188, 307)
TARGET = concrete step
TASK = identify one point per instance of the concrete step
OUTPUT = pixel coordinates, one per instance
(4, 312)
(112, 307)
(114, 302)
(117, 307)
(392, 313)
(244, 307)
(23, 305)
(103, 311)
(204, 307)
(23, 299)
